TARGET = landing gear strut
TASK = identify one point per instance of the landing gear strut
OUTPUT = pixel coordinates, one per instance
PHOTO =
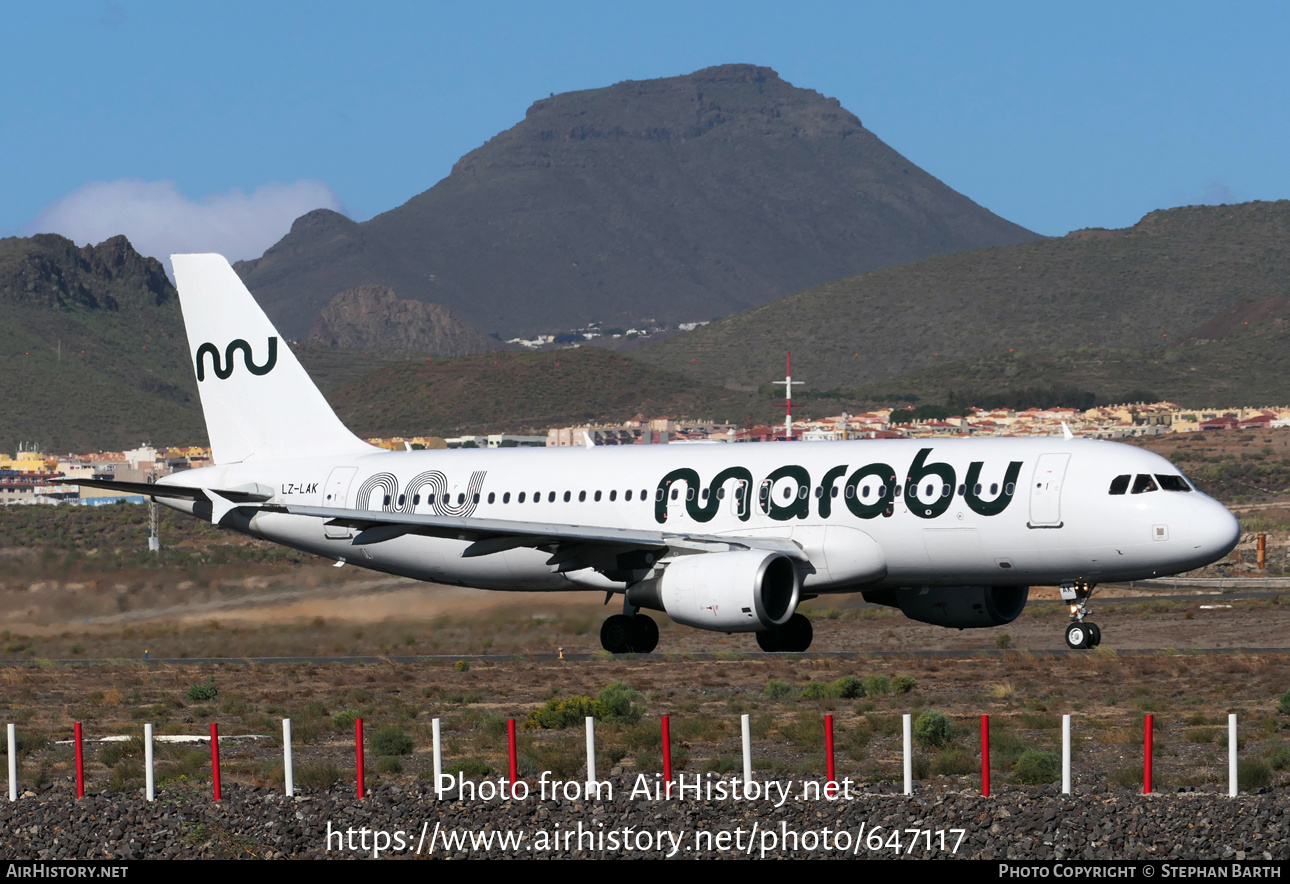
(793, 636)
(629, 634)
(1081, 634)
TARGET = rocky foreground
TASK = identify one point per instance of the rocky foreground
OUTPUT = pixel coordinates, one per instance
(1015, 823)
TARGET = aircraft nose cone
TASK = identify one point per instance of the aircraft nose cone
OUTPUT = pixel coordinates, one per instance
(1215, 531)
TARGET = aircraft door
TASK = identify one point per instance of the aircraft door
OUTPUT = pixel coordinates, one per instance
(336, 494)
(1046, 490)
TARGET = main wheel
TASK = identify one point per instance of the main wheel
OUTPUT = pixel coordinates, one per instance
(1094, 634)
(616, 634)
(1077, 636)
(798, 633)
(644, 634)
(794, 636)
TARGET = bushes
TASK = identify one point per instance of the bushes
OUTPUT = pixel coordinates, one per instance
(614, 702)
(203, 691)
(932, 729)
(390, 740)
(1036, 768)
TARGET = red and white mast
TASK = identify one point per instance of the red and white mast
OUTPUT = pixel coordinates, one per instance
(788, 383)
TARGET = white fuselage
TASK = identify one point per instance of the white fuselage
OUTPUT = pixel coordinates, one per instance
(1002, 512)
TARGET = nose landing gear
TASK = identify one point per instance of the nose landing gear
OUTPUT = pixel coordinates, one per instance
(1081, 634)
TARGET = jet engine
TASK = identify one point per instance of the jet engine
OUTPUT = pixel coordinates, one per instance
(741, 591)
(959, 607)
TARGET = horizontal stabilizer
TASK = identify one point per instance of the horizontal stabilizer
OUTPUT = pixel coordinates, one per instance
(241, 495)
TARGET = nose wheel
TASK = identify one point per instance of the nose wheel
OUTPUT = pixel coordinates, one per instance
(1081, 634)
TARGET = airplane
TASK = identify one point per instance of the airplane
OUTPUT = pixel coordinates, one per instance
(728, 538)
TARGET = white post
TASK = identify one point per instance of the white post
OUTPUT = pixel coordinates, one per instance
(1066, 754)
(591, 753)
(149, 783)
(1231, 755)
(746, 726)
(288, 764)
(13, 763)
(438, 758)
(909, 754)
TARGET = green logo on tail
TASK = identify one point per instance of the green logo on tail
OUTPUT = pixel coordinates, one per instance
(223, 372)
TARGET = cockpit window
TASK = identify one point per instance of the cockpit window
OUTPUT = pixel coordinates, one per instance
(1120, 484)
(1143, 483)
(1172, 483)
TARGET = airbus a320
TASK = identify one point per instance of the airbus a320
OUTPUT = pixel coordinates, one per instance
(729, 538)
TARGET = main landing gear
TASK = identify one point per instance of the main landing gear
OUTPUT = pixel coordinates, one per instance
(793, 636)
(629, 634)
(1081, 634)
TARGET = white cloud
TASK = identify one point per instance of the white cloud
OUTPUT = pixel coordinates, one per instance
(159, 220)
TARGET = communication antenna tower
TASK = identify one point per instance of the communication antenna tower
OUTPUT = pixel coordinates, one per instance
(788, 383)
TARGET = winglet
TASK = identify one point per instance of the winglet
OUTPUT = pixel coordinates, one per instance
(1066, 431)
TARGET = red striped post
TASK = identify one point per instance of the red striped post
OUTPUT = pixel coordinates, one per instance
(831, 787)
(511, 753)
(359, 786)
(80, 762)
(1146, 756)
(985, 756)
(667, 757)
(215, 758)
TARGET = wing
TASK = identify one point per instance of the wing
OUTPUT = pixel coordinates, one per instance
(615, 552)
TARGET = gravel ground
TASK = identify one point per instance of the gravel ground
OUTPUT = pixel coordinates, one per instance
(1016, 823)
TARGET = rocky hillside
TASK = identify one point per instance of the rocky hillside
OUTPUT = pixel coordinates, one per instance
(679, 199)
(92, 350)
(374, 317)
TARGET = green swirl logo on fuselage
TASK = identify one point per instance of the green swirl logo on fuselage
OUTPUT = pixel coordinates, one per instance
(225, 371)
(869, 491)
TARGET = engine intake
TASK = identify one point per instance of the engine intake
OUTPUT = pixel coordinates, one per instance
(743, 591)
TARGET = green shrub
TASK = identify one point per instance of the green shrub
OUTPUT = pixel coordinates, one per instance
(388, 765)
(903, 684)
(817, 690)
(777, 690)
(953, 762)
(1278, 756)
(203, 691)
(343, 721)
(319, 776)
(932, 729)
(877, 686)
(1252, 773)
(618, 702)
(1283, 703)
(558, 714)
(392, 740)
(1036, 768)
(1003, 642)
(848, 687)
(462, 666)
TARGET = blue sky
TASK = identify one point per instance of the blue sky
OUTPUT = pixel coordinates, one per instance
(211, 126)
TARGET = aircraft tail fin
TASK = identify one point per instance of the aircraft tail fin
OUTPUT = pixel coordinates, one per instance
(259, 402)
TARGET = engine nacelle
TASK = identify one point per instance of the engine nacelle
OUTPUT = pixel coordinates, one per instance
(959, 607)
(743, 591)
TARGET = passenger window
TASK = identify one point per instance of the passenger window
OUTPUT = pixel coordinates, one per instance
(1142, 483)
(491, 497)
(689, 494)
(550, 497)
(597, 497)
(416, 500)
(387, 501)
(946, 491)
(506, 498)
(566, 497)
(721, 493)
(461, 498)
(613, 495)
(520, 499)
(1120, 484)
(475, 498)
(962, 490)
(582, 497)
(628, 495)
(833, 492)
(994, 487)
(1172, 483)
(976, 489)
